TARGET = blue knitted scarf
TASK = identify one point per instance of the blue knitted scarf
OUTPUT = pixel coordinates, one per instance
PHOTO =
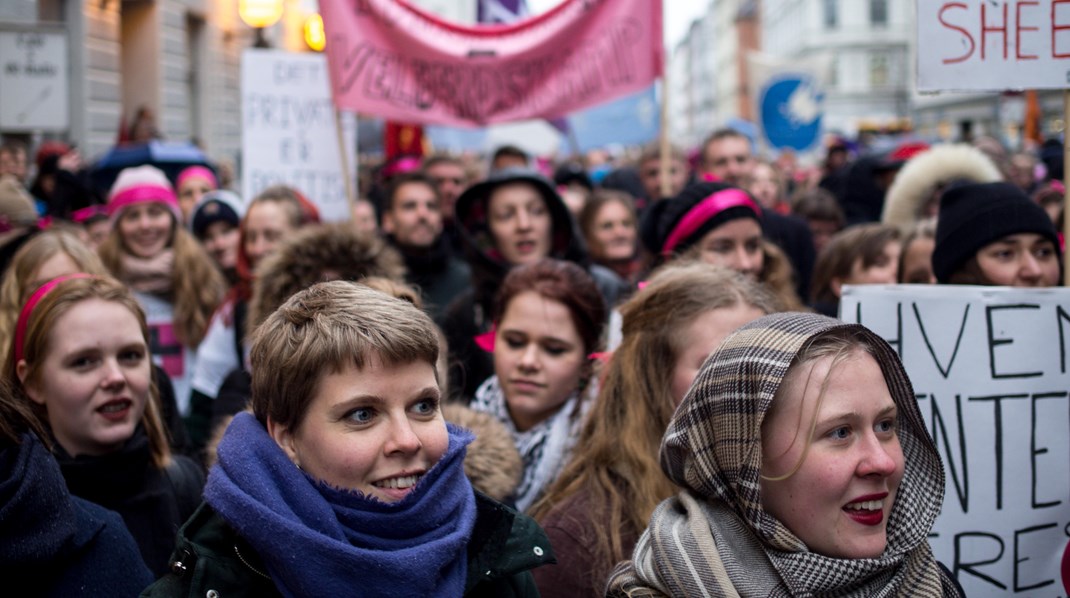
(322, 541)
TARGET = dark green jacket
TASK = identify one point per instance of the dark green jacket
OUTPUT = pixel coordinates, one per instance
(212, 560)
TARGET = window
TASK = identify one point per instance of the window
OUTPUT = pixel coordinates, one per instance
(878, 13)
(878, 71)
(832, 14)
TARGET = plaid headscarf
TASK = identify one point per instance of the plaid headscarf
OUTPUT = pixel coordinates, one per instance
(716, 539)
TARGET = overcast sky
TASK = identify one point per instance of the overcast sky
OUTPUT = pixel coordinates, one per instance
(678, 16)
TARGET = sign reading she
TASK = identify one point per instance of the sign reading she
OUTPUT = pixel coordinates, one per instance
(990, 371)
(288, 129)
(395, 61)
(993, 44)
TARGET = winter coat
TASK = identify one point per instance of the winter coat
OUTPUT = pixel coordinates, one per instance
(437, 273)
(573, 534)
(492, 463)
(55, 544)
(211, 556)
(926, 172)
(471, 313)
(152, 502)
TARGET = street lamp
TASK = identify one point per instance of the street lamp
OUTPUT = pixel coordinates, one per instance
(259, 14)
(315, 37)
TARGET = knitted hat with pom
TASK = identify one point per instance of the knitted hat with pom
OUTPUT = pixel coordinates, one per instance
(142, 184)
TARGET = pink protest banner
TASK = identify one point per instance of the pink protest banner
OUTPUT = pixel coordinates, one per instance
(398, 62)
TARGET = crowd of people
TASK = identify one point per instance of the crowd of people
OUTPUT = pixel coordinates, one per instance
(499, 378)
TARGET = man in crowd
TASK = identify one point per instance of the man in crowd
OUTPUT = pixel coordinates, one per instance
(450, 179)
(412, 222)
(727, 157)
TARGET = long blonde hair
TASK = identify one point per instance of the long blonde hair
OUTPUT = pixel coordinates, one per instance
(615, 463)
(19, 278)
(197, 286)
(37, 343)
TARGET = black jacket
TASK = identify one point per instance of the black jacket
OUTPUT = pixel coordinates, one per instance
(210, 555)
(152, 502)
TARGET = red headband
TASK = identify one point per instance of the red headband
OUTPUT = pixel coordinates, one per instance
(27, 309)
(698, 215)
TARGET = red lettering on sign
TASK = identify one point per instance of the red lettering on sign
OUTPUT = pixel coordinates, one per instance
(961, 30)
(1019, 29)
(1055, 28)
(985, 29)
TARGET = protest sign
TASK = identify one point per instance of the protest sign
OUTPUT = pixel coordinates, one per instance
(987, 45)
(395, 61)
(789, 98)
(34, 84)
(289, 133)
(989, 366)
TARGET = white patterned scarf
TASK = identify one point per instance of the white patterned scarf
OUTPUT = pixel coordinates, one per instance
(545, 447)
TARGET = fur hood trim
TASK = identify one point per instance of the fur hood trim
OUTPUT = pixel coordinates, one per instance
(492, 464)
(315, 254)
(923, 173)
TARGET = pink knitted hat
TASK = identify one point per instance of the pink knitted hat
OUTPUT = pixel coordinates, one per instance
(141, 184)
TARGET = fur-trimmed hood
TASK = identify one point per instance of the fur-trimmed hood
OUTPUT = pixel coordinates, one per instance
(922, 174)
(492, 464)
(316, 254)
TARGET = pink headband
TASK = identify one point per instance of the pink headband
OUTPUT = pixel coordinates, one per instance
(197, 172)
(403, 165)
(84, 214)
(143, 194)
(698, 215)
(31, 303)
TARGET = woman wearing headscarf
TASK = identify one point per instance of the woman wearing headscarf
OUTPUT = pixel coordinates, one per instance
(794, 482)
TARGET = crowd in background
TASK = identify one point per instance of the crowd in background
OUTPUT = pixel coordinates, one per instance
(562, 311)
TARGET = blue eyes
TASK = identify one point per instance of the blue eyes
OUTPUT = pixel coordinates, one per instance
(364, 415)
(360, 416)
(882, 427)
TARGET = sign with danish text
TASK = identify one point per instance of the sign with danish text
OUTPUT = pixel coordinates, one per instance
(990, 368)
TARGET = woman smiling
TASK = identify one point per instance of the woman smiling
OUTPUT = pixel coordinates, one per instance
(345, 479)
(806, 470)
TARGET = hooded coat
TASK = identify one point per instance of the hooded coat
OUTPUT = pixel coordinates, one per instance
(471, 313)
(923, 174)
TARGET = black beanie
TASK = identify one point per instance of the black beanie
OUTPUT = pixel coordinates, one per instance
(661, 218)
(975, 215)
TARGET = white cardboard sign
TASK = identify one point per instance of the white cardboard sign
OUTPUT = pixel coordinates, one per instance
(34, 82)
(288, 129)
(990, 368)
(993, 44)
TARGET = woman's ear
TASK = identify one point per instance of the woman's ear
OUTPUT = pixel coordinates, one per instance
(22, 370)
(836, 284)
(285, 439)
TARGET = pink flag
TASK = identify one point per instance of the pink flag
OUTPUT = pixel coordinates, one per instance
(398, 62)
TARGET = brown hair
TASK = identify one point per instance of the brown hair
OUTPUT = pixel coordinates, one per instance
(324, 329)
(862, 241)
(569, 285)
(615, 463)
(37, 344)
(18, 280)
(818, 204)
(594, 205)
